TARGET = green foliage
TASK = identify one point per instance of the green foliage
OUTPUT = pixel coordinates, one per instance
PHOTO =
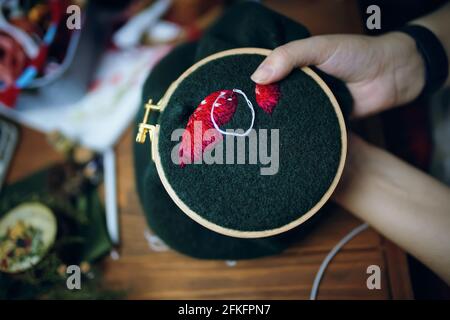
(81, 238)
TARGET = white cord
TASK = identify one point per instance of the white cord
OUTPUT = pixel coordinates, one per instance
(250, 106)
(330, 256)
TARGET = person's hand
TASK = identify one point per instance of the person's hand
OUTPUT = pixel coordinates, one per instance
(380, 72)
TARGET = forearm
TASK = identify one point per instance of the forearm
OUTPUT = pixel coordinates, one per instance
(404, 204)
(439, 23)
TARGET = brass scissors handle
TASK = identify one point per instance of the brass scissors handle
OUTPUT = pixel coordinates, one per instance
(144, 127)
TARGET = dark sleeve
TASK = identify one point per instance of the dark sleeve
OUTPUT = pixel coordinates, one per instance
(395, 14)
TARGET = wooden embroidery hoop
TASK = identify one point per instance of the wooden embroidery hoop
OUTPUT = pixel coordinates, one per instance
(153, 131)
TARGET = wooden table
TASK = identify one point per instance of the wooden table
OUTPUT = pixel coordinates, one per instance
(147, 274)
(166, 275)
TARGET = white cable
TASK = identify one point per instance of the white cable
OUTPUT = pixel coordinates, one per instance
(110, 182)
(330, 256)
(250, 106)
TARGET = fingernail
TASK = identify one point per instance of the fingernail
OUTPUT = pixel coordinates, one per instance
(262, 74)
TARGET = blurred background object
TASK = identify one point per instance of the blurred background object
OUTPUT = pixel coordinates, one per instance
(36, 28)
(8, 142)
(89, 86)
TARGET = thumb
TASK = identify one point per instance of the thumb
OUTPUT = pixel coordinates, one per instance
(311, 51)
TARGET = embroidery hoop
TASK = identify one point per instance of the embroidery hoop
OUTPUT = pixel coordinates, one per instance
(153, 132)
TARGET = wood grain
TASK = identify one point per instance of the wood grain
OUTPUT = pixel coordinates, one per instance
(147, 274)
(169, 275)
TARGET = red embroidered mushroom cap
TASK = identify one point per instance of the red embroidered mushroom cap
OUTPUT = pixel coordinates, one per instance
(267, 96)
(196, 137)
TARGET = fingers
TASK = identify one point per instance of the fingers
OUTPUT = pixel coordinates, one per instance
(311, 51)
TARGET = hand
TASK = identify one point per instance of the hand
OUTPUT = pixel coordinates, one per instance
(380, 72)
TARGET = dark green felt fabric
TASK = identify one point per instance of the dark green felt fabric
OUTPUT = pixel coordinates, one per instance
(246, 25)
(237, 196)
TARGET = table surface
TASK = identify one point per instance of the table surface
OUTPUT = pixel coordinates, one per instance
(149, 274)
